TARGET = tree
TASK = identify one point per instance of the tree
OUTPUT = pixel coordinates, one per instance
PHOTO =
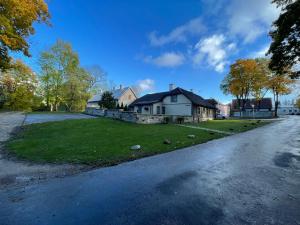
(280, 85)
(98, 82)
(16, 19)
(63, 80)
(76, 89)
(260, 80)
(19, 85)
(285, 46)
(298, 102)
(107, 100)
(240, 80)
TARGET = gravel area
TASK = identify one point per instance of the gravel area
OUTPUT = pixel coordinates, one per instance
(48, 117)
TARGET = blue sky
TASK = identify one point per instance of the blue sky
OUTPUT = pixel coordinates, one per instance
(154, 43)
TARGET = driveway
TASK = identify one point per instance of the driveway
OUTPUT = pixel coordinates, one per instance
(247, 178)
(48, 117)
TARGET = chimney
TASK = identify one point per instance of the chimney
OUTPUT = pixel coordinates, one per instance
(171, 87)
(121, 86)
(191, 90)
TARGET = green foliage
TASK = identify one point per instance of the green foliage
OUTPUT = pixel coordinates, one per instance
(18, 87)
(285, 46)
(107, 101)
(16, 19)
(63, 81)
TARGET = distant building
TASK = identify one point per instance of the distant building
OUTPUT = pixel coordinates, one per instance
(122, 95)
(252, 108)
(223, 110)
(288, 107)
(175, 102)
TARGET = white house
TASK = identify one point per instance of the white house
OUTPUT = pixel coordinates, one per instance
(122, 95)
(288, 107)
(175, 102)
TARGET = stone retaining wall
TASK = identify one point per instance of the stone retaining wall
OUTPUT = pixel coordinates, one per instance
(139, 118)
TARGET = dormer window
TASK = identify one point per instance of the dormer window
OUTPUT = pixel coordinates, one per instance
(173, 98)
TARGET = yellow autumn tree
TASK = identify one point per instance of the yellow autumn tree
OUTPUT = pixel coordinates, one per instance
(16, 23)
(244, 79)
(280, 85)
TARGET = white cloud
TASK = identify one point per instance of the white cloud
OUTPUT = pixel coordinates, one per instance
(260, 53)
(146, 84)
(142, 86)
(213, 50)
(250, 19)
(168, 59)
(179, 34)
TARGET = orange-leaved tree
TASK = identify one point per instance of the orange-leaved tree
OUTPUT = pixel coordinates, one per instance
(16, 24)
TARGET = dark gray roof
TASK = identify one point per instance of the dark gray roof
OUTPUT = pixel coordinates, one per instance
(157, 97)
(264, 103)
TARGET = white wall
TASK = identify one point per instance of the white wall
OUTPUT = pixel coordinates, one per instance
(143, 110)
(127, 98)
(183, 106)
(93, 105)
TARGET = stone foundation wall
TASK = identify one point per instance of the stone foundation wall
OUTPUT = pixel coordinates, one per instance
(142, 118)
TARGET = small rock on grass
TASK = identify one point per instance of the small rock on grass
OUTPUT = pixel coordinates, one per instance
(167, 142)
(191, 136)
(135, 147)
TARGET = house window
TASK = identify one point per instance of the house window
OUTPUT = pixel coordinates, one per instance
(198, 110)
(173, 98)
(157, 109)
(129, 97)
(163, 110)
(139, 109)
(146, 108)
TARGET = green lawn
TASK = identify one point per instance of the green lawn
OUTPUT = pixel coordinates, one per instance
(103, 141)
(100, 141)
(232, 125)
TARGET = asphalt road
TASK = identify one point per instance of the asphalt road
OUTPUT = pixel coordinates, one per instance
(248, 178)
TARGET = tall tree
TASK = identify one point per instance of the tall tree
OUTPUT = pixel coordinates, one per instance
(285, 46)
(298, 102)
(239, 82)
(259, 87)
(16, 24)
(98, 82)
(280, 85)
(63, 79)
(107, 101)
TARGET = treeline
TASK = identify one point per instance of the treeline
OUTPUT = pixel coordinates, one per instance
(253, 78)
(62, 84)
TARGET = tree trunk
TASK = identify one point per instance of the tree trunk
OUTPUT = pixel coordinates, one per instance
(276, 104)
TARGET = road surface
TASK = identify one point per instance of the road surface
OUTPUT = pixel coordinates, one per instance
(247, 178)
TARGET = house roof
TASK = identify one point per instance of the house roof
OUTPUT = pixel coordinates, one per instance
(157, 97)
(265, 103)
(117, 93)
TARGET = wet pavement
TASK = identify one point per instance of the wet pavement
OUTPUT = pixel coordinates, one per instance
(48, 117)
(247, 178)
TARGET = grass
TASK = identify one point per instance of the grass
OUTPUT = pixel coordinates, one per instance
(100, 141)
(232, 125)
(103, 141)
